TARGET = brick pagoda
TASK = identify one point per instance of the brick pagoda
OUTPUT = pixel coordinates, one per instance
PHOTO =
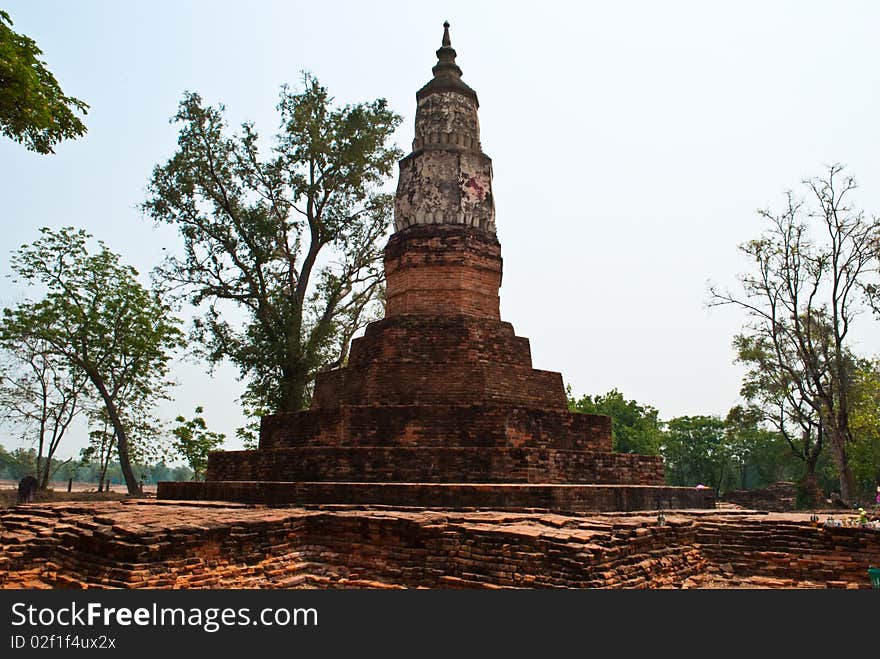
(439, 405)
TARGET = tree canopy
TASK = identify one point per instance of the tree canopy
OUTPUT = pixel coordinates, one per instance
(193, 441)
(635, 428)
(97, 317)
(41, 394)
(290, 238)
(815, 266)
(695, 451)
(34, 111)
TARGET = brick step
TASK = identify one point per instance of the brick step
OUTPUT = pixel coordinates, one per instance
(374, 464)
(574, 498)
(446, 339)
(438, 426)
(405, 383)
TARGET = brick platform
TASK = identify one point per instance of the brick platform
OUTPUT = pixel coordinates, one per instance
(491, 496)
(161, 545)
(371, 464)
(487, 426)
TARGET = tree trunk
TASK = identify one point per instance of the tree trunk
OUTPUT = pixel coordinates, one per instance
(810, 488)
(131, 483)
(102, 477)
(43, 472)
(293, 390)
(841, 461)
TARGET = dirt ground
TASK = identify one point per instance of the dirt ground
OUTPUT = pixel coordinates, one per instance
(78, 492)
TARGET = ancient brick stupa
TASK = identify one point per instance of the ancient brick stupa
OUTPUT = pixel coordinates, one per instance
(439, 405)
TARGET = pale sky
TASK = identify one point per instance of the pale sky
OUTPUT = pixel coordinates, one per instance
(632, 143)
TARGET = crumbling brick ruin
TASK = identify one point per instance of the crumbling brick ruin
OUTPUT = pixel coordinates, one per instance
(438, 457)
(202, 545)
(439, 405)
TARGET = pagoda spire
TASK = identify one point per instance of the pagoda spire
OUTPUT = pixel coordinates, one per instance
(446, 66)
(447, 179)
(447, 74)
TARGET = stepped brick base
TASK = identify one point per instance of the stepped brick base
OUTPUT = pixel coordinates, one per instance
(437, 426)
(569, 498)
(162, 545)
(441, 384)
(439, 407)
(437, 465)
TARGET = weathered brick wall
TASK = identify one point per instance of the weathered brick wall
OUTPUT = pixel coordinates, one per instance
(567, 497)
(437, 426)
(439, 384)
(445, 183)
(439, 340)
(779, 496)
(439, 269)
(198, 546)
(436, 465)
(448, 115)
(790, 549)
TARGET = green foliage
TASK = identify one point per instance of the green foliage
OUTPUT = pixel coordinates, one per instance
(18, 463)
(635, 427)
(97, 317)
(33, 109)
(250, 433)
(696, 451)
(864, 451)
(759, 456)
(193, 441)
(291, 239)
(40, 396)
(813, 268)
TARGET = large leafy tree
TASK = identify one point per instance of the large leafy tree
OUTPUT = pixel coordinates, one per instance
(635, 428)
(812, 268)
(33, 109)
(290, 238)
(772, 386)
(41, 394)
(102, 321)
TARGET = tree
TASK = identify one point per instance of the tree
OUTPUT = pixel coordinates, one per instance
(18, 463)
(291, 239)
(41, 394)
(771, 385)
(635, 428)
(865, 427)
(757, 454)
(33, 109)
(696, 451)
(102, 446)
(98, 317)
(193, 441)
(803, 298)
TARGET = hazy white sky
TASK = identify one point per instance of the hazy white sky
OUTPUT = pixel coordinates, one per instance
(632, 143)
